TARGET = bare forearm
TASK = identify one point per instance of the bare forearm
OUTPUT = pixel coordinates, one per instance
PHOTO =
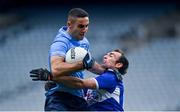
(60, 68)
(70, 81)
(74, 82)
(97, 69)
(65, 68)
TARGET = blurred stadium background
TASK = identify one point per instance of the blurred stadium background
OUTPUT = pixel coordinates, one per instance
(149, 33)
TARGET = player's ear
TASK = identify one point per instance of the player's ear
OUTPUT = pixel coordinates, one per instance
(69, 23)
(118, 65)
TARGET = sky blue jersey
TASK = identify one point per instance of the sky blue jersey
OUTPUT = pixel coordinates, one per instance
(61, 44)
(108, 95)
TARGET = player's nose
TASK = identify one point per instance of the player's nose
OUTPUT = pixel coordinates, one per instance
(105, 57)
(84, 30)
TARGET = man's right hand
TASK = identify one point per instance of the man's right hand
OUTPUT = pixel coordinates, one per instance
(40, 74)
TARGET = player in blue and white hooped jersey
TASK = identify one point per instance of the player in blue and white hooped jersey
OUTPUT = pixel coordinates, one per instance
(108, 94)
(105, 92)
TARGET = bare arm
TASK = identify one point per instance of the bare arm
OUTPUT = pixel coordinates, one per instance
(60, 68)
(77, 83)
(97, 69)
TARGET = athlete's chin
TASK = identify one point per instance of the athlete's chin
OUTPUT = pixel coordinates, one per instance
(80, 37)
(104, 61)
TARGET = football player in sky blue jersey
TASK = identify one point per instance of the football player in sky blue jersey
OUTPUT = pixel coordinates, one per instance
(59, 96)
(105, 92)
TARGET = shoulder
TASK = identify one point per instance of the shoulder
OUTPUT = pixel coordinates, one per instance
(61, 38)
(109, 74)
(84, 43)
(85, 40)
(108, 77)
(107, 80)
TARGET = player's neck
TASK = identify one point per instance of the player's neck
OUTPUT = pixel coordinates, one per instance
(68, 31)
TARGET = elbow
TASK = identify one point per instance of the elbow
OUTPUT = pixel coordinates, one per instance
(79, 84)
(56, 76)
(56, 73)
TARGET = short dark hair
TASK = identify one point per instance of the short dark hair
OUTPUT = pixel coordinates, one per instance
(124, 61)
(77, 12)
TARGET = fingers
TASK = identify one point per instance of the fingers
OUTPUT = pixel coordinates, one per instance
(33, 75)
(36, 71)
(35, 79)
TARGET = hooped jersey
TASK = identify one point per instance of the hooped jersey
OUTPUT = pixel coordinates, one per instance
(108, 95)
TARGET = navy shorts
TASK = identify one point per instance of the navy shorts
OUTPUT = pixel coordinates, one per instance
(63, 101)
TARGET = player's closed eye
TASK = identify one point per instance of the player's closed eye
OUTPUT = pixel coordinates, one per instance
(111, 55)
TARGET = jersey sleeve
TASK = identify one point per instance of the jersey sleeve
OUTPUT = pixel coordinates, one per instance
(58, 48)
(106, 81)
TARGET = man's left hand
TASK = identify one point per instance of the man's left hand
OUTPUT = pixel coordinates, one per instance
(88, 61)
(40, 75)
